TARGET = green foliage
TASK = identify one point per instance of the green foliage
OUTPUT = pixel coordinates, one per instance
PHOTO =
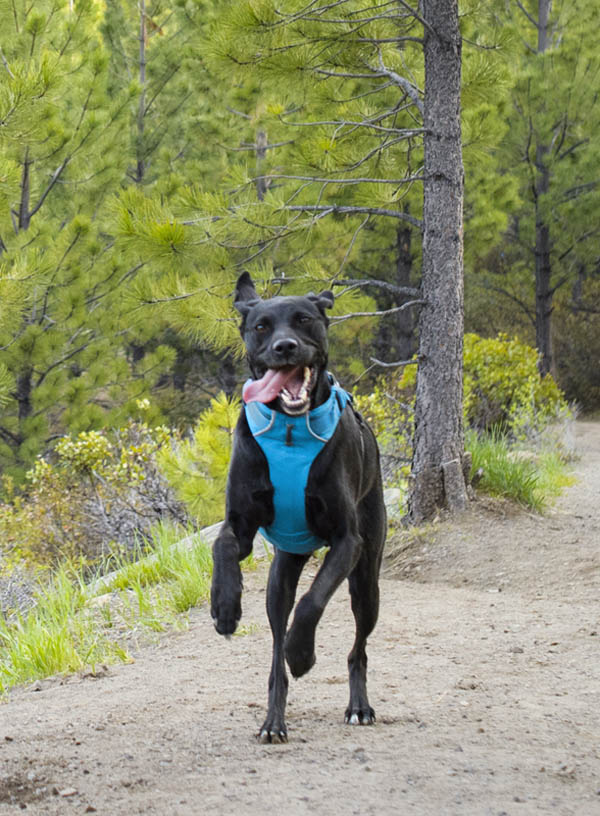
(547, 159)
(503, 387)
(64, 323)
(576, 338)
(56, 636)
(265, 214)
(101, 491)
(389, 410)
(197, 468)
(71, 627)
(530, 479)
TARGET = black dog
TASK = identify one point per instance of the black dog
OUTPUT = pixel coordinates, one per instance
(341, 494)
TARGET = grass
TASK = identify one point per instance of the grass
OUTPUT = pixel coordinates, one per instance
(57, 636)
(533, 479)
(71, 628)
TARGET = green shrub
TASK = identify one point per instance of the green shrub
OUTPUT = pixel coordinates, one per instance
(197, 468)
(100, 491)
(388, 409)
(503, 387)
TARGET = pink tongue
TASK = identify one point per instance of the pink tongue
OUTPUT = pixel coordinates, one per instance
(269, 386)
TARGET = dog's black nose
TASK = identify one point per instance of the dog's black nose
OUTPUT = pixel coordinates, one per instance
(285, 345)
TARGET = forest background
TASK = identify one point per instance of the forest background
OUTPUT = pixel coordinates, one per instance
(151, 151)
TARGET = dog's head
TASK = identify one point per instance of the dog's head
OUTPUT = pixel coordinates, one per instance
(286, 344)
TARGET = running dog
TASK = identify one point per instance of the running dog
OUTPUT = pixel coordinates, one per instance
(305, 471)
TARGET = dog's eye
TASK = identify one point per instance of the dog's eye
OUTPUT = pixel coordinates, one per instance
(304, 319)
(261, 328)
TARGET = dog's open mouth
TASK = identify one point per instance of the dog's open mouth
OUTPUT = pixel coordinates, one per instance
(292, 384)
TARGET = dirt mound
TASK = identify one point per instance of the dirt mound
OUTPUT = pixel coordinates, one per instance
(484, 673)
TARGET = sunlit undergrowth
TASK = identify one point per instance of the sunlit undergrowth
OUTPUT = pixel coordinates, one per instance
(510, 412)
(530, 478)
(74, 626)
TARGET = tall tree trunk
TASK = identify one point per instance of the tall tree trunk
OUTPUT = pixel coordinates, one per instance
(261, 152)
(140, 168)
(404, 323)
(23, 394)
(437, 478)
(543, 263)
(543, 269)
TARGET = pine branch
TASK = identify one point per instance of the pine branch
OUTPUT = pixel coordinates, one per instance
(339, 209)
(55, 177)
(357, 180)
(521, 303)
(411, 90)
(368, 123)
(381, 313)
(395, 364)
(7, 66)
(531, 19)
(389, 287)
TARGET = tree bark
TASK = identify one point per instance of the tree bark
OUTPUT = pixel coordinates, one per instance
(437, 475)
(140, 165)
(261, 152)
(543, 269)
(404, 341)
(543, 262)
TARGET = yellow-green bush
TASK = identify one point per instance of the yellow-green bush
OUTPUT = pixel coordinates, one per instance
(99, 491)
(102, 490)
(503, 387)
(502, 390)
(197, 468)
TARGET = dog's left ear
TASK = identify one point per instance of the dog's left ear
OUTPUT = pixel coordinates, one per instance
(324, 300)
(246, 295)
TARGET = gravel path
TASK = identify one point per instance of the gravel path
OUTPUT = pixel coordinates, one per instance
(484, 672)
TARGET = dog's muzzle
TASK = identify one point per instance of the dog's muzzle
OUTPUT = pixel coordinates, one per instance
(291, 384)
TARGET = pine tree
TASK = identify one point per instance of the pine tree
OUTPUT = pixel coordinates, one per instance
(331, 117)
(64, 332)
(551, 151)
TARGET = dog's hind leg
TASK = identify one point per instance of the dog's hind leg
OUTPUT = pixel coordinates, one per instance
(281, 593)
(364, 594)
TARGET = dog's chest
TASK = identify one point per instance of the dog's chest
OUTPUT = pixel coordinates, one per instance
(291, 445)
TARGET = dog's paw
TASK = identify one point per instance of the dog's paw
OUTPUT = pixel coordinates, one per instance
(273, 733)
(299, 653)
(226, 612)
(365, 716)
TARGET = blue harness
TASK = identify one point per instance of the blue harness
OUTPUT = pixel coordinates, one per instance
(291, 444)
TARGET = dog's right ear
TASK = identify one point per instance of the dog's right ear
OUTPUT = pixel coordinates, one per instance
(245, 294)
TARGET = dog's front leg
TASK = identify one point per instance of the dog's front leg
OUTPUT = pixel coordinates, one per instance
(281, 593)
(300, 641)
(226, 589)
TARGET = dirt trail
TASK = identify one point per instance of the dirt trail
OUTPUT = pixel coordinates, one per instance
(484, 672)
